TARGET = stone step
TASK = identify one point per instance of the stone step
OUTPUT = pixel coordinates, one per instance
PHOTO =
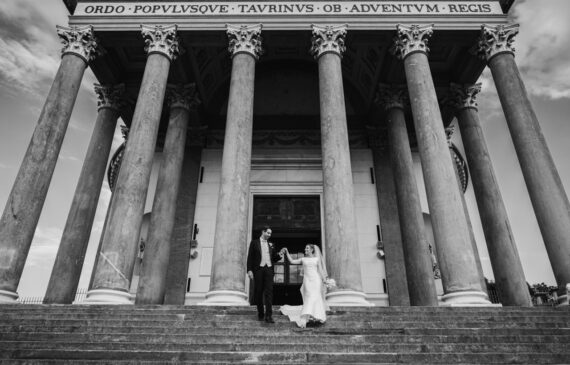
(294, 357)
(276, 330)
(251, 309)
(249, 317)
(280, 321)
(295, 338)
(546, 348)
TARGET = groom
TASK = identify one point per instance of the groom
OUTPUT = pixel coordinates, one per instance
(260, 259)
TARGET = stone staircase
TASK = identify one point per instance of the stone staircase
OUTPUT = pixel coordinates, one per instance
(66, 334)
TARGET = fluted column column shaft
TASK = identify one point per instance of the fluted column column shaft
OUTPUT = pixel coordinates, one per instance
(152, 281)
(507, 267)
(460, 277)
(342, 254)
(230, 239)
(120, 240)
(419, 271)
(545, 188)
(27, 197)
(71, 253)
(455, 254)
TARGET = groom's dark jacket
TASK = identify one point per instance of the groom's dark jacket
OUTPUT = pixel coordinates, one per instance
(254, 255)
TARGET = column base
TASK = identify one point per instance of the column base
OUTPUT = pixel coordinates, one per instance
(469, 298)
(107, 296)
(564, 300)
(8, 297)
(347, 298)
(225, 297)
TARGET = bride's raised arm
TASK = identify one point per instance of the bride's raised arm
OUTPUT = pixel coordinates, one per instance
(291, 260)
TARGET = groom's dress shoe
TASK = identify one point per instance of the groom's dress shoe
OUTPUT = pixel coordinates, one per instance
(269, 320)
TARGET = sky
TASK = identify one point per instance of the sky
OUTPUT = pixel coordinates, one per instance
(30, 54)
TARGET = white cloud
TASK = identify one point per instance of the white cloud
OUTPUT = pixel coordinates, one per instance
(542, 46)
(44, 246)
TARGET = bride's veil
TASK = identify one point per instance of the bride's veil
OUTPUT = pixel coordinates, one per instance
(322, 266)
(323, 271)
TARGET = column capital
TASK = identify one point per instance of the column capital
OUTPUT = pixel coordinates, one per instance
(80, 41)
(161, 39)
(496, 40)
(245, 39)
(391, 96)
(183, 96)
(464, 96)
(328, 39)
(110, 96)
(411, 39)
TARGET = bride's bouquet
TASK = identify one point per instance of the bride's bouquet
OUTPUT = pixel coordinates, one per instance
(330, 283)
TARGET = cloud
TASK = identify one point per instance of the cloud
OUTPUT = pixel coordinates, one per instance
(30, 50)
(542, 46)
(44, 246)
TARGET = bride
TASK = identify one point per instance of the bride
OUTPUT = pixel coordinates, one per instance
(313, 289)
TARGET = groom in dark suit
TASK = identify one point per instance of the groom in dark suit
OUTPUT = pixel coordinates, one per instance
(260, 259)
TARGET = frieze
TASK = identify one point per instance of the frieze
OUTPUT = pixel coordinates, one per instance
(287, 8)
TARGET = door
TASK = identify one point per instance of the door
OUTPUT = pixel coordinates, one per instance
(295, 222)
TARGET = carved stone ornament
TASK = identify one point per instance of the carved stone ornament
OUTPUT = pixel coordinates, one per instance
(245, 39)
(391, 96)
(464, 96)
(163, 40)
(80, 41)
(110, 97)
(183, 96)
(411, 39)
(328, 39)
(496, 40)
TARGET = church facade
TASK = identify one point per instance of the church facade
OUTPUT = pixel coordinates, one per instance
(319, 119)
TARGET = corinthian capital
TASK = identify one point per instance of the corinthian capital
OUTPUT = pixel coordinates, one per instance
(391, 96)
(464, 96)
(245, 39)
(496, 40)
(163, 40)
(328, 39)
(79, 41)
(111, 97)
(411, 39)
(183, 96)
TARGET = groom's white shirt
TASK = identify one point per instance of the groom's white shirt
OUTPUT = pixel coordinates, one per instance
(265, 260)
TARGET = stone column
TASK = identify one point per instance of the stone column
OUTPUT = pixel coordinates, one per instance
(419, 270)
(120, 240)
(152, 281)
(390, 236)
(25, 202)
(460, 277)
(545, 188)
(227, 283)
(342, 254)
(507, 267)
(71, 253)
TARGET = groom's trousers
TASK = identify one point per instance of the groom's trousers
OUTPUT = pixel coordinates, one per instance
(263, 283)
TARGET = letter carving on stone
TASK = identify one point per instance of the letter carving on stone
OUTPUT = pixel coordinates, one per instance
(80, 41)
(163, 40)
(391, 96)
(464, 96)
(183, 96)
(411, 39)
(496, 40)
(110, 97)
(245, 39)
(328, 39)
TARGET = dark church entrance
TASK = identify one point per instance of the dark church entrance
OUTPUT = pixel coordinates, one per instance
(295, 221)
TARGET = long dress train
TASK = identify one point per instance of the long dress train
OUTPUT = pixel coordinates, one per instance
(313, 292)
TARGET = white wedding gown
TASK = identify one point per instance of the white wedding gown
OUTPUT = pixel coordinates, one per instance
(314, 306)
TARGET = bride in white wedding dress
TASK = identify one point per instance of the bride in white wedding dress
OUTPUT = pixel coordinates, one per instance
(313, 289)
